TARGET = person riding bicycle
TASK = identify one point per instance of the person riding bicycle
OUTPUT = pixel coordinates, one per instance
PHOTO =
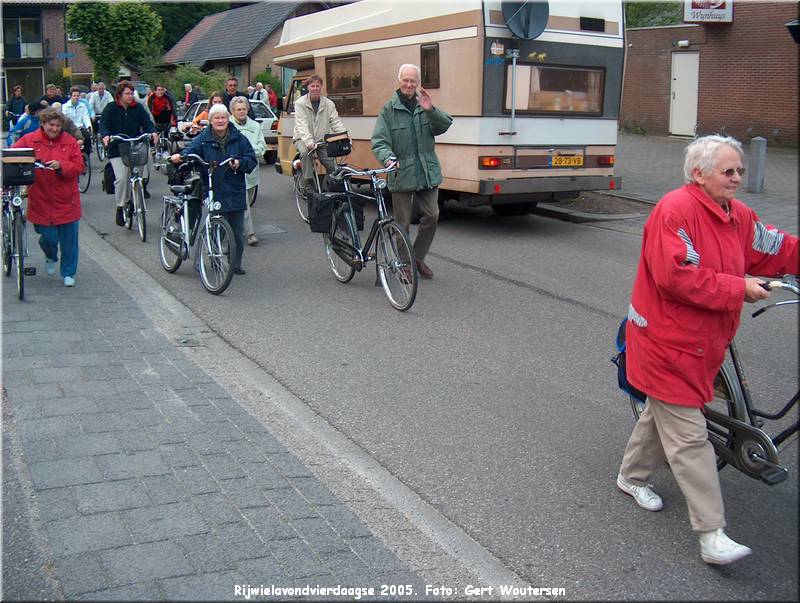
(29, 122)
(217, 143)
(54, 203)
(162, 108)
(698, 245)
(78, 112)
(314, 117)
(196, 127)
(16, 105)
(99, 100)
(125, 117)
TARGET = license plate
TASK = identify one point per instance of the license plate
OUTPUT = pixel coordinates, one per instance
(566, 161)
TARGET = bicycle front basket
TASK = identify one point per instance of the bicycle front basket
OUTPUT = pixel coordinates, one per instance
(134, 154)
(18, 166)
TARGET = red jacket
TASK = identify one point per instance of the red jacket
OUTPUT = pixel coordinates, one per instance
(689, 291)
(54, 198)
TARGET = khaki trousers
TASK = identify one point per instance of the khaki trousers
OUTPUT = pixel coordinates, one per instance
(122, 179)
(679, 434)
(308, 161)
(428, 203)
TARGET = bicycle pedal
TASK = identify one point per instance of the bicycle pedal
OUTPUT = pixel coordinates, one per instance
(30, 271)
(774, 475)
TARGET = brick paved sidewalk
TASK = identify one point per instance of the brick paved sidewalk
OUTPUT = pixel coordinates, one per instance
(142, 476)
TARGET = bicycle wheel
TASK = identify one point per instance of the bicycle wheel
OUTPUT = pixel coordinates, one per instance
(127, 213)
(98, 146)
(85, 177)
(343, 240)
(300, 196)
(217, 248)
(170, 244)
(7, 249)
(728, 400)
(397, 269)
(19, 249)
(137, 193)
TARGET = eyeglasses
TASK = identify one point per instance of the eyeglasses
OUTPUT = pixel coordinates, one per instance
(731, 171)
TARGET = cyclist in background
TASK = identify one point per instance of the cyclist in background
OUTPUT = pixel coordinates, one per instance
(78, 112)
(29, 122)
(125, 117)
(162, 108)
(99, 100)
(16, 104)
(196, 126)
(315, 116)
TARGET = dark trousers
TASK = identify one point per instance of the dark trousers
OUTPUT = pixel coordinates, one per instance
(236, 220)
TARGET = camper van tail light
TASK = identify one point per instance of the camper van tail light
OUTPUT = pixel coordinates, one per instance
(612, 184)
(497, 189)
(605, 160)
(493, 163)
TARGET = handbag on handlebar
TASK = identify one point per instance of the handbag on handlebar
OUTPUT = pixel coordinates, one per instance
(338, 145)
(18, 167)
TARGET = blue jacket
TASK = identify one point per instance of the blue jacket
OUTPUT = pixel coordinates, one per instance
(229, 186)
(25, 125)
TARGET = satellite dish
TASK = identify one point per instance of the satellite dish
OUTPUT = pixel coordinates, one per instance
(526, 19)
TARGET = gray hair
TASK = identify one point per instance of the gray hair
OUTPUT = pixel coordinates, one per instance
(409, 66)
(219, 108)
(701, 153)
(240, 100)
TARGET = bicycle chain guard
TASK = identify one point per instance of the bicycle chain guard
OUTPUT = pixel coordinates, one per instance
(753, 453)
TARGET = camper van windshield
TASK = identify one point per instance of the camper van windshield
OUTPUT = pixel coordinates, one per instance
(548, 89)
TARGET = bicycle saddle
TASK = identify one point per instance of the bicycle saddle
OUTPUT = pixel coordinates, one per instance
(181, 189)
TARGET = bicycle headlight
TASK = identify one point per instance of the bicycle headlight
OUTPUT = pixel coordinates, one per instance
(216, 206)
(16, 201)
(380, 183)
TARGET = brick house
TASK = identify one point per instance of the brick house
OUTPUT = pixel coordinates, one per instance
(738, 78)
(240, 41)
(33, 37)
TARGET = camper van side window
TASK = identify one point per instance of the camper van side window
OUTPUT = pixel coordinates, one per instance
(549, 89)
(429, 65)
(344, 84)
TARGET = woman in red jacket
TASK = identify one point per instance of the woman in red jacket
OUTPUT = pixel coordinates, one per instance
(54, 203)
(697, 248)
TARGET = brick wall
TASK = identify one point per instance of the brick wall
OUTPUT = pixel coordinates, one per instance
(748, 80)
(264, 54)
(53, 34)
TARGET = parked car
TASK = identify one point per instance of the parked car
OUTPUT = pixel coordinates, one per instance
(264, 116)
(142, 88)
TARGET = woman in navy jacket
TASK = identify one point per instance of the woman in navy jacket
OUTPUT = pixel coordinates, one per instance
(217, 143)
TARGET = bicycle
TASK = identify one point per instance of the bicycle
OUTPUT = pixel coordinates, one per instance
(301, 199)
(163, 148)
(393, 254)
(12, 118)
(134, 153)
(97, 140)
(85, 177)
(734, 423)
(209, 239)
(14, 234)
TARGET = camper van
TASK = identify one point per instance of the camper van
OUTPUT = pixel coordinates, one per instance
(533, 87)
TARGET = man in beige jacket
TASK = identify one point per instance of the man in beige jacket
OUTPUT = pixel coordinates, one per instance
(314, 117)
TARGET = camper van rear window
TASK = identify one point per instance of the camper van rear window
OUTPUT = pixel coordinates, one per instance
(546, 89)
(344, 74)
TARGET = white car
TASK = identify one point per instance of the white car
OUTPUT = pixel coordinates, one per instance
(264, 116)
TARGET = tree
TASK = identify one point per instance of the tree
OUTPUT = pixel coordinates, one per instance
(179, 17)
(651, 14)
(113, 33)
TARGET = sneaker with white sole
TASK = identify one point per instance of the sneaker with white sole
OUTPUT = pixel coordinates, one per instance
(643, 495)
(717, 548)
(50, 266)
(69, 281)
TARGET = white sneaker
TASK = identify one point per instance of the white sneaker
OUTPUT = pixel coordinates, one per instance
(717, 548)
(50, 266)
(643, 495)
(69, 281)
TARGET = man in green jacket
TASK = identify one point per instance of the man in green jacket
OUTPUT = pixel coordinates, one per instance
(404, 134)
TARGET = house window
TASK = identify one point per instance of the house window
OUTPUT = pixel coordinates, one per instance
(237, 71)
(556, 89)
(22, 38)
(344, 84)
(429, 65)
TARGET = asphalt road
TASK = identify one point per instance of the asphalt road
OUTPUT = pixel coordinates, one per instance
(493, 397)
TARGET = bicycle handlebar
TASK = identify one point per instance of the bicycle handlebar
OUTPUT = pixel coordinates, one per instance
(117, 138)
(786, 285)
(192, 158)
(345, 171)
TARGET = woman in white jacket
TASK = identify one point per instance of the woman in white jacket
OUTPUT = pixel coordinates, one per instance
(251, 130)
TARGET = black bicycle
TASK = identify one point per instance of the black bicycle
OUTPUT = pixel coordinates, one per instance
(387, 243)
(85, 177)
(734, 423)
